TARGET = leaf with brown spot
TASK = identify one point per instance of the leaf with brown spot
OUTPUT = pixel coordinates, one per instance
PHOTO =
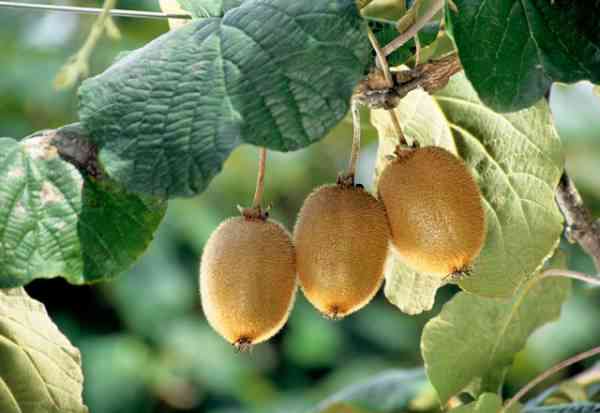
(57, 221)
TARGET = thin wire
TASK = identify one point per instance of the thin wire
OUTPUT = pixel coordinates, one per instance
(93, 10)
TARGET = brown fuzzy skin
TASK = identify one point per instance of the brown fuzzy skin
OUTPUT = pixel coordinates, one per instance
(435, 211)
(341, 239)
(248, 280)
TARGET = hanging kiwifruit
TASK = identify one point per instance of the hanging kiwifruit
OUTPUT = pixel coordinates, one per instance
(248, 276)
(341, 240)
(434, 209)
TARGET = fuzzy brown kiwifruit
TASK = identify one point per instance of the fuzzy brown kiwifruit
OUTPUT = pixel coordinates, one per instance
(341, 239)
(248, 279)
(434, 209)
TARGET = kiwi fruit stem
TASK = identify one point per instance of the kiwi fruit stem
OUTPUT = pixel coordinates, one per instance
(382, 62)
(257, 211)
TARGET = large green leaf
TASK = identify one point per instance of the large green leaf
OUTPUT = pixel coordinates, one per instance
(516, 160)
(512, 50)
(274, 73)
(472, 342)
(390, 391)
(40, 371)
(57, 221)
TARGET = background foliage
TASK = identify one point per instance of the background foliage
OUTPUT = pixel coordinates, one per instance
(143, 339)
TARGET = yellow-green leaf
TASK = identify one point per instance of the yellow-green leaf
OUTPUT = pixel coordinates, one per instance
(40, 371)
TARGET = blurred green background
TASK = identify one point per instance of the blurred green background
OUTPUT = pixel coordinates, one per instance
(146, 346)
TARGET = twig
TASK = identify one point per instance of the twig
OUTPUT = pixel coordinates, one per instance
(260, 179)
(412, 31)
(543, 376)
(581, 226)
(77, 67)
(397, 127)
(557, 272)
(382, 62)
(418, 50)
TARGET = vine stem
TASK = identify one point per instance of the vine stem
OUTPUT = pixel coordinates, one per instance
(557, 272)
(356, 130)
(581, 225)
(260, 179)
(77, 66)
(412, 31)
(382, 62)
(555, 369)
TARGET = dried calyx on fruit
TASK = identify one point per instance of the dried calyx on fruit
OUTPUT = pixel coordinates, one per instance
(248, 276)
(434, 209)
(341, 239)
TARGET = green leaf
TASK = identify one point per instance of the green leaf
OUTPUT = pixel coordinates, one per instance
(566, 408)
(57, 221)
(512, 50)
(168, 115)
(40, 371)
(387, 392)
(474, 340)
(486, 403)
(409, 290)
(208, 8)
(516, 160)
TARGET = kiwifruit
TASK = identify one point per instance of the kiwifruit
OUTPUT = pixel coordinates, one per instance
(434, 209)
(248, 279)
(341, 239)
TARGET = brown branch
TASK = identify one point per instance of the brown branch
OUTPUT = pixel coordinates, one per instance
(430, 77)
(546, 374)
(581, 227)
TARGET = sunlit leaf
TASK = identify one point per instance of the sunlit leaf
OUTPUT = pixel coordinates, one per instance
(40, 371)
(472, 342)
